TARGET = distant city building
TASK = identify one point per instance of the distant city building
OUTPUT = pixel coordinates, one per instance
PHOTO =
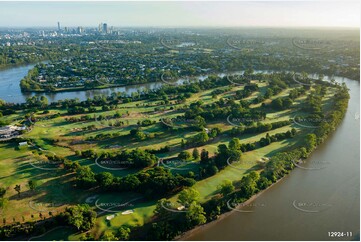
(105, 28)
(100, 27)
(59, 29)
(80, 30)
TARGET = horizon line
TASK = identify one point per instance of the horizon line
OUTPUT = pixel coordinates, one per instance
(190, 26)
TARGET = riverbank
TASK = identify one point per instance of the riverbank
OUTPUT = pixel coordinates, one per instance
(187, 234)
(343, 198)
(107, 86)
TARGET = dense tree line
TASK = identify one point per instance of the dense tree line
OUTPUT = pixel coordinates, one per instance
(152, 183)
(81, 217)
(258, 127)
(135, 158)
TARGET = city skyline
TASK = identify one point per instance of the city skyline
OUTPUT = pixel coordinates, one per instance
(188, 14)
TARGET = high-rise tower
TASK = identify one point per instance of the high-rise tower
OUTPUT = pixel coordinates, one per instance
(105, 28)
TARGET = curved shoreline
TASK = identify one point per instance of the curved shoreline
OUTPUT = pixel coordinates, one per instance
(184, 236)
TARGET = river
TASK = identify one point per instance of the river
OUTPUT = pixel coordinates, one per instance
(308, 203)
(10, 89)
(305, 205)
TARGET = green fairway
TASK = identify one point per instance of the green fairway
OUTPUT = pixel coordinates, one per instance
(62, 137)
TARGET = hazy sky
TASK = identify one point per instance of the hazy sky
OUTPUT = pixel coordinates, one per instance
(255, 13)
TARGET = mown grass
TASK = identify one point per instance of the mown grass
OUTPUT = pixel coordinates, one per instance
(57, 135)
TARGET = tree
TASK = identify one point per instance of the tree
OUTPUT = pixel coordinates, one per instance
(263, 183)
(81, 216)
(254, 176)
(234, 144)
(123, 233)
(268, 93)
(108, 236)
(131, 182)
(249, 184)
(2, 191)
(248, 72)
(226, 187)
(182, 143)
(199, 138)
(163, 230)
(104, 179)
(187, 196)
(277, 104)
(199, 122)
(195, 154)
(287, 102)
(311, 141)
(224, 154)
(160, 209)
(18, 189)
(204, 157)
(184, 155)
(32, 185)
(140, 135)
(44, 101)
(85, 176)
(195, 215)
(214, 132)
(203, 137)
